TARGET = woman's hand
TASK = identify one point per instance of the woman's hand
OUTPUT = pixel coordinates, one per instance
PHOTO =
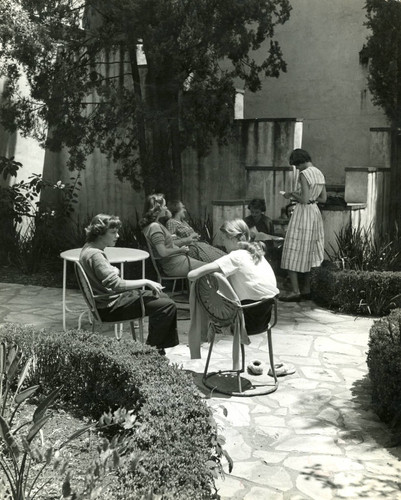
(287, 195)
(184, 249)
(193, 237)
(155, 287)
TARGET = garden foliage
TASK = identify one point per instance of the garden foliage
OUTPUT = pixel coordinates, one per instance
(85, 81)
(384, 363)
(23, 456)
(176, 436)
(356, 292)
(30, 230)
(357, 250)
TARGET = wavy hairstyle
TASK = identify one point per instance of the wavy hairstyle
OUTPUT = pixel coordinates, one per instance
(238, 229)
(100, 224)
(299, 156)
(152, 208)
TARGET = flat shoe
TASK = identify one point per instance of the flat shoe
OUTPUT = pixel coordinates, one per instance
(293, 297)
(255, 367)
(281, 370)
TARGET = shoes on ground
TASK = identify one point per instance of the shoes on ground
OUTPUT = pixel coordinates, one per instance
(281, 370)
(161, 351)
(292, 297)
(255, 367)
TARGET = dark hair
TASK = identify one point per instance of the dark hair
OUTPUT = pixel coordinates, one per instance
(257, 204)
(152, 208)
(100, 224)
(175, 207)
(299, 156)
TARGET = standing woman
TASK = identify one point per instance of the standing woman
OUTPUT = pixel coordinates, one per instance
(304, 241)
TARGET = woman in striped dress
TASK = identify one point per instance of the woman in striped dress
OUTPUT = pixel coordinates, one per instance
(304, 241)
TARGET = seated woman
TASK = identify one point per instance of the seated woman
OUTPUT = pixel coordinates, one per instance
(186, 235)
(262, 229)
(124, 303)
(261, 226)
(249, 274)
(173, 259)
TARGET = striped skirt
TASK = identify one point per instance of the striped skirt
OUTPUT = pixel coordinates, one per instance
(304, 241)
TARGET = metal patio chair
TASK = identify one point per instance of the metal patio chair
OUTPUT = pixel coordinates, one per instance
(161, 276)
(223, 312)
(90, 300)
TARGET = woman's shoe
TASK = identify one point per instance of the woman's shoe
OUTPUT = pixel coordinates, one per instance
(255, 367)
(292, 297)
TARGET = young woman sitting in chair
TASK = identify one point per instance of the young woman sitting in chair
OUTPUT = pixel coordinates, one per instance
(174, 260)
(124, 303)
(249, 274)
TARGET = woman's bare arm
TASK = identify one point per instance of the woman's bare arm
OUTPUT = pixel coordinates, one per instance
(212, 267)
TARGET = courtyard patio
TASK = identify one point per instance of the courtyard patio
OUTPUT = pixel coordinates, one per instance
(316, 437)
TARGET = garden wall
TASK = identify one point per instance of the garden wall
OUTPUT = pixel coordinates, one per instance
(253, 164)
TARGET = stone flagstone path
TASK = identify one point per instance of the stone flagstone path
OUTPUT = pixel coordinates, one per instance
(316, 437)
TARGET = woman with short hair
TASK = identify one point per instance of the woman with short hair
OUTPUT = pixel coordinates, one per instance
(118, 299)
(304, 240)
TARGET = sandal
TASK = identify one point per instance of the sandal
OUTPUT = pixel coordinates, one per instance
(255, 367)
(282, 370)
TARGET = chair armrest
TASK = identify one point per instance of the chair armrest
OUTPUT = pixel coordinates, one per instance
(105, 295)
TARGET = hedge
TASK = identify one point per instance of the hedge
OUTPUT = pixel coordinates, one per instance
(356, 292)
(176, 437)
(384, 363)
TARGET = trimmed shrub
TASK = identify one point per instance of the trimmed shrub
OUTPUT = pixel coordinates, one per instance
(384, 363)
(176, 436)
(356, 292)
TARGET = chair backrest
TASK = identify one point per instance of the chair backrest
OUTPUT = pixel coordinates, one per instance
(217, 298)
(86, 290)
(220, 302)
(154, 260)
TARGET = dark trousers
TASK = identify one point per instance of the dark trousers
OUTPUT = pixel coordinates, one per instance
(162, 314)
(257, 318)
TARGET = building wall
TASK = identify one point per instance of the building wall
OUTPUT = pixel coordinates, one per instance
(325, 84)
(24, 149)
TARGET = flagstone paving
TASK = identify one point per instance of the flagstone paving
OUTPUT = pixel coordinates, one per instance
(316, 437)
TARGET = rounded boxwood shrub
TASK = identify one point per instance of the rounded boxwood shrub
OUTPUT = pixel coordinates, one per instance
(176, 435)
(384, 363)
(356, 292)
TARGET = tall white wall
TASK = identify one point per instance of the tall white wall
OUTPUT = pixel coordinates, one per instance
(325, 84)
(24, 149)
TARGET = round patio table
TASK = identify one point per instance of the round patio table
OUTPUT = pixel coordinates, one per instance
(116, 255)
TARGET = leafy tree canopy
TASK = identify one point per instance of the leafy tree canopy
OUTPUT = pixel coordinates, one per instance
(71, 67)
(384, 51)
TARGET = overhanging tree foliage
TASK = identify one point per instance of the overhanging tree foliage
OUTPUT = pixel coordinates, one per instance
(383, 48)
(84, 83)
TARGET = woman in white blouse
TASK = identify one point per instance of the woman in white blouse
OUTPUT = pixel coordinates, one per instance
(248, 272)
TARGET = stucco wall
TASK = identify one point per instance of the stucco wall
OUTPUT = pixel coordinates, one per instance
(24, 149)
(325, 84)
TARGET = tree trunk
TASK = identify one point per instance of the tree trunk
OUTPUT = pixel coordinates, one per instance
(394, 213)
